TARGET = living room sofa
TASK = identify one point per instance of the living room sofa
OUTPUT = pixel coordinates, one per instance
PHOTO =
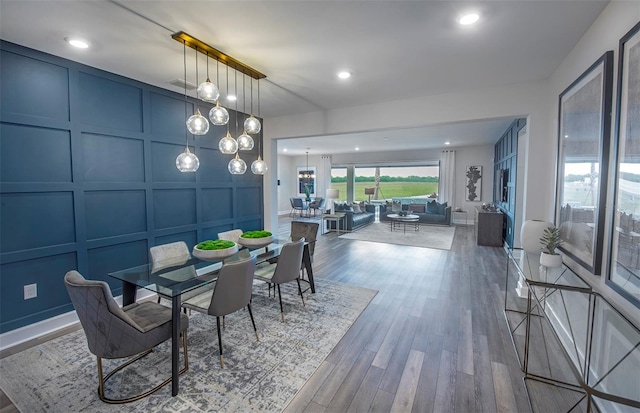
(354, 219)
(430, 212)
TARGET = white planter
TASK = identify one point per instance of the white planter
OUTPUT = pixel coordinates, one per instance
(255, 242)
(550, 260)
(214, 255)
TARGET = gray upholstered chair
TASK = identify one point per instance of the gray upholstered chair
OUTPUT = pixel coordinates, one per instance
(287, 269)
(113, 332)
(175, 253)
(299, 205)
(231, 293)
(307, 231)
(317, 205)
(232, 235)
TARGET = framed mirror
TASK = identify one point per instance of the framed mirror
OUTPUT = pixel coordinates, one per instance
(583, 151)
(624, 267)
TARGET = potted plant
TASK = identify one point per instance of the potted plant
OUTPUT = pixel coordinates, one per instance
(307, 192)
(255, 239)
(214, 250)
(550, 241)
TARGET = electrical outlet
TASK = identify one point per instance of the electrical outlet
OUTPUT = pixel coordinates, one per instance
(30, 291)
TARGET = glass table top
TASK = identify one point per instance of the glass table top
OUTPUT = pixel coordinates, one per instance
(179, 275)
(528, 266)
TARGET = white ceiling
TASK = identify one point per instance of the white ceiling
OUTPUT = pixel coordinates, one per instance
(395, 49)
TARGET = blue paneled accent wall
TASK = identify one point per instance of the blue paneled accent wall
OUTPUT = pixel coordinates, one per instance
(88, 179)
(505, 168)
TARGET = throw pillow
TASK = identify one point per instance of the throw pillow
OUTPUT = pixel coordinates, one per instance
(432, 207)
(441, 208)
(356, 209)
(416, 208)
(396, 206)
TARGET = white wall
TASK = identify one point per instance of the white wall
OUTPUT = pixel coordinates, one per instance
(538, 101)
(285, 173)
(613, 23)
(522, 100)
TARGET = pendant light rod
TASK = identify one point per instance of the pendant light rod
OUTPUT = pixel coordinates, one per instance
(204, 48)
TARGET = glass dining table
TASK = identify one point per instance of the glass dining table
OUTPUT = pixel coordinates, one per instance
(173, 277)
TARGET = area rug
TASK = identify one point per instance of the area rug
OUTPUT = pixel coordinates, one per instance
(429, 236)
(60, 375)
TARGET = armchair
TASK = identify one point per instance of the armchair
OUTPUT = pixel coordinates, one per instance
(113, 332)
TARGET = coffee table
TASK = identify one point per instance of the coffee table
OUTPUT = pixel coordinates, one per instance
(396, 220)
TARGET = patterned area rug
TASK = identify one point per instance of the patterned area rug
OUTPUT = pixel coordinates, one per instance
(428, 236)
(61, 375)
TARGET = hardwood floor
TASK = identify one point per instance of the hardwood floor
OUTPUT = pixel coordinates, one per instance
(434, 339)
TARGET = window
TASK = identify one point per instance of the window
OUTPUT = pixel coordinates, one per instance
(395, 181)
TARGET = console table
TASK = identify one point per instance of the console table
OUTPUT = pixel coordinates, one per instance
(569, 336)
(337, 218)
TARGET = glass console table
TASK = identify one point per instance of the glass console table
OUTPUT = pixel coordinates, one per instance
(569, 336)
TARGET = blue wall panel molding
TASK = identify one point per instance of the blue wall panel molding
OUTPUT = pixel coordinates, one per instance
(99, 185)
(39, 155)
(26, 81)
(505, 168)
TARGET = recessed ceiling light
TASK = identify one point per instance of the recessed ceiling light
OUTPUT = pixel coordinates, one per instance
(75, 42)
(357, 149)
(232, 98)
(386, 139)
(468, 19)
(566, 136)
(447, 143)
(344, 75)
(284, 150)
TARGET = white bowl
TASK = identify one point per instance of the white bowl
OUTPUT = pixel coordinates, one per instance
(214, 255)
(255, 242)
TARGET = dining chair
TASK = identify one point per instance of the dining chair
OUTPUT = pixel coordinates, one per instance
(232, 292)
(113, 332)
(232, 235)
(307, 231)
(317, 205)
(285, 270)
(300, 205)
(293, 208)
(174, 253)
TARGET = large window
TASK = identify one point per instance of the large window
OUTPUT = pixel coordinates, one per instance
(394, 181)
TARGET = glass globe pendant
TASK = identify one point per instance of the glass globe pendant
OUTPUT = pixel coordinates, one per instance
(228, 145)
(252, 125)
(259, 167)
(245, 142)
(187, 161)
(198, 124)
(219, 115)
(237, 166)
(208, 92)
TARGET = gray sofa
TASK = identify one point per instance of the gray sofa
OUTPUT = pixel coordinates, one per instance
(430, 213)
(353, 220)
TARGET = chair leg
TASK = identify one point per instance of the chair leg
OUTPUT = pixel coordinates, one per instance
(300, 291)
(220, 341)
(253, 321)
(280, 299)
(103, 379)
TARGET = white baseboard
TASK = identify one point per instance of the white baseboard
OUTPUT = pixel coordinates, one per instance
(51, 325)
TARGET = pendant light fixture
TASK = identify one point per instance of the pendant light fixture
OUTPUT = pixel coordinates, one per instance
(207, 91)
(227, 144)
(252, 124)
(186, 161)
(245, 142)
(197, 124)
(219, 116)
(237, 166)
(259, 167)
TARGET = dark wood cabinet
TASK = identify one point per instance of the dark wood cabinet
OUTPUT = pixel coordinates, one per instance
(488, 227)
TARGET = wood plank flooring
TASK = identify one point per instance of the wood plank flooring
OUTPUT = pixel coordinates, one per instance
(434, 339)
